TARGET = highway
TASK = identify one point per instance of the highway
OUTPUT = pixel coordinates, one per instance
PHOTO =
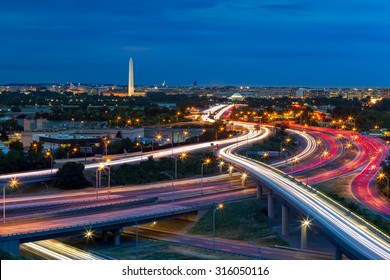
(229, 246)
(140, 157)
(362, 240)
(30, 206)
(55, 250)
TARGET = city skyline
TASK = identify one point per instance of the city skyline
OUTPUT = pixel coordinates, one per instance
(267, 43)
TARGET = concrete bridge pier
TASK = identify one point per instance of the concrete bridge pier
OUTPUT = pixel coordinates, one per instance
(105, 235)
(285, 219)
(117, 236)
(259, 192)
(271, 205)
(338, 254)
(10, 246)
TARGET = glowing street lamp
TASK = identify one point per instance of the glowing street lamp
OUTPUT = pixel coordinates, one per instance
(35, 145)
(304, 225)
(219, 207)
(182, 156)
(13, 184)
(138, 144)
(49, 154)
(99, 179)
(88, 234)
(207, 161)
(108, 166)
(294, 160)
(243, 179)
(220, 165)
(231, 171)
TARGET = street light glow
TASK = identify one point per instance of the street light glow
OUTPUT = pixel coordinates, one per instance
(88, 234)
(13, 183)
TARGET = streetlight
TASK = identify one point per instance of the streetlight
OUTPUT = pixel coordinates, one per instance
(231, 171)
(185, 135)
(108, 166)
(99, 179)
(117, 120)
(205, 162)
(158, 137)
(381, 176)
(140, 145)
(219, 207)
(13, 184)
(294, 160)
(182, 156)
(243, 179)
(49, 154)
(106, 142)
(220, 165)
(304, 225)
(35, 145)
(177, 116)
(323, 155)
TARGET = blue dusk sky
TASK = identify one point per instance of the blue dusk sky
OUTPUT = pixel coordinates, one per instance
(215, 42)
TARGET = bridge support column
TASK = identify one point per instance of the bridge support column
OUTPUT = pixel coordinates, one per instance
(117, 236)
(10, 246)
(304, 227)
(338, 254)
(271, 205)
(105, 235)
(285, 220)
(259, 192)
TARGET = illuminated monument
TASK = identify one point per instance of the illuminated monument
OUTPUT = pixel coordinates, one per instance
(131, 78)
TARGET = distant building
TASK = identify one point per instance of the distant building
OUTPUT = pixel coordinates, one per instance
(54, 141)
(299, 93)
(236, 97)
(28, 125)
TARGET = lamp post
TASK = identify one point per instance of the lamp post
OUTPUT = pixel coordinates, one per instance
(177, 116)
(13, 183)
(49, 154)
(182, 156)
(158, 138)
(35, 145)
(230, 171)
(295, 159)
(206, 161)
(383, 176)
(323, 155)
(170, 140)
(99, 179)
(220, 165)
(243, 179)
(140, 145)
(304, 225)
(219, 207)
(108, 166)
(106, 143)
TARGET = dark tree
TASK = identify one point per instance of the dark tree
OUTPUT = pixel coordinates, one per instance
(71, 176)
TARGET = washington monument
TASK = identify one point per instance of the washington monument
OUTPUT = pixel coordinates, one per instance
(131, 78)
